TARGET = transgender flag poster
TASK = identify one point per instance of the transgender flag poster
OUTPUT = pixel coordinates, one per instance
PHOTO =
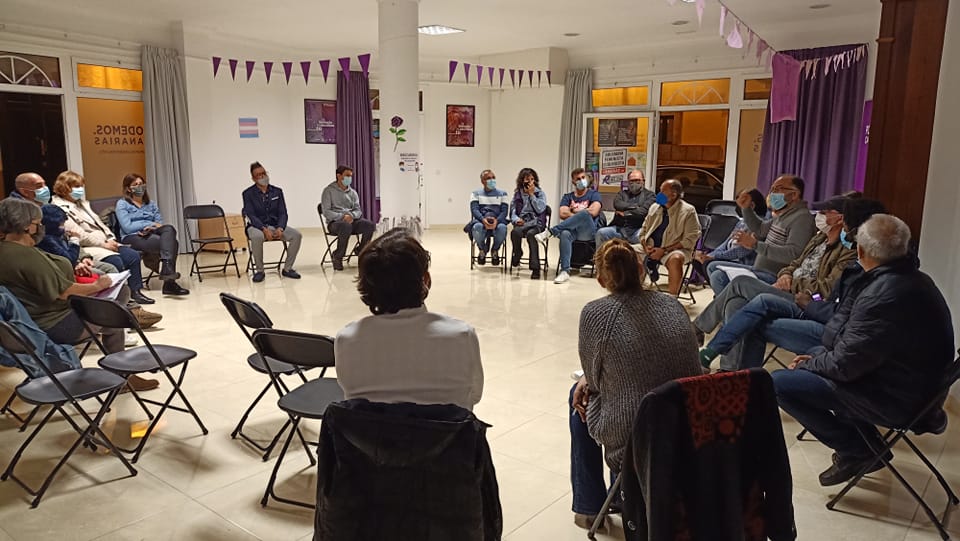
(249, 128)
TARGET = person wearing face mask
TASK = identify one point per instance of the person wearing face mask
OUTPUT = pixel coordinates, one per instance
(266, 212)
(528, 213)
(580, 212)
(341, 210)
(794, 323)
(669, 234)
(31, 187)
(631, 207)
(881, 358)
(489, 207)
(142, 227)
(730, 250)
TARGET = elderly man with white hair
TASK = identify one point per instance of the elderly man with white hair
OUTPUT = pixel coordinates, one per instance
(31, 187)
(882, 357)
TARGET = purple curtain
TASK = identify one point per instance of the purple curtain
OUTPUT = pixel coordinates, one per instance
(355, 139)
(821, 145)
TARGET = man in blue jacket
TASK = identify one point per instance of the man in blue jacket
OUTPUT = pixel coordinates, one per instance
(488, 210)
(266, 212)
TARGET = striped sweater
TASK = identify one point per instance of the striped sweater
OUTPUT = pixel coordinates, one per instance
(781, 239)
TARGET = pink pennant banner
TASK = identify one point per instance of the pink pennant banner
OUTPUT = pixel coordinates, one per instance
(520, 79)
(345, 67)
(233, 68)
(453, 69)
(268, 69)
(502, 71)
(701, 5)
(305, 70)
(287, 70)
(490, 75)
(479, 74)
(750, 42)
(364, 60)
(249, 64)
(723, 19)
(216, 65)
(548, 79)
(466, 71)
(325, 69)
(512, 81)
(530, 78)
(734, 39)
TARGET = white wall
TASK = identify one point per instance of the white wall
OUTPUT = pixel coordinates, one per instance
(939, 242)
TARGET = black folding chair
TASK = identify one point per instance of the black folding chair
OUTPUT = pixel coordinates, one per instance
(895, 434)
(468, 229)
(209, 212)
(544, 251)
(308, 401)
(330, 239)
(250, 317)
(725, 207)
(57, 390)
(581, 255)
(684, 293)
(146, 358)
(267, 265)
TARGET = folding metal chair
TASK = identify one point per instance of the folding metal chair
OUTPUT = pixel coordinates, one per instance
(57, 390)
(544, 251)
(250, 317)
(581, 256)
(725, 207)
(605, 509)
(209, 212)
(146, 358)
(330, 243)
(308, 401)
(473, 249)
(684, 293)
(267, 265)
(895, 434)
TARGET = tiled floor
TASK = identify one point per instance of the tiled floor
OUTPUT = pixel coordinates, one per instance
(208, 487)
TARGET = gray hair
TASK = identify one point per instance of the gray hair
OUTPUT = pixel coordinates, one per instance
(642, 175)
(883, 238)
(16, 215)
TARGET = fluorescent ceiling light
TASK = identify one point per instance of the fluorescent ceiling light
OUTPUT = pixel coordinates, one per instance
(688, 1)
(438, 30)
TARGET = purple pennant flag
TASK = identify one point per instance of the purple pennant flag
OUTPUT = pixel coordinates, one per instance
(548, 79)
(325, 69)
(539, 77)
(233, 69)
(364, 60)
(345, 67)
(750, 43)
(701, 5)
(512, 82)
(216, 65)
(502, 71)
(530, 78)
(249, 65)
(723, 19)
(287, 69)
(490, 75)
(453, 69)
(735, 40)
(479, 74)
(268, 69)
(520, 83)
(305, 70)
(466, 71)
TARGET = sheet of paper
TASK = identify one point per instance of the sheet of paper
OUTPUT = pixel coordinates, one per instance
(733, 272)
(117, 281)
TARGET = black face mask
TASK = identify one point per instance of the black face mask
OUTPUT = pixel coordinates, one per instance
(38, 236)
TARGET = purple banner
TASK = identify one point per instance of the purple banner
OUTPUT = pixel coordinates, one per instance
(520, 78)
(502, 71)
(479, 74)
(216, 65)
(305, 70)
(268, 69)
(287, 69)
(345, 67)
(513, 81)
(861, 173)
(249, 65)
(548, 79)
(325, 69)
(466, 71)
(453, 70)
(364, 60)
(490, 75)
(320, 121)
(233, 68)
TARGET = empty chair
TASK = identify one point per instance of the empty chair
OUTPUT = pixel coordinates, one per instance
(146, 358)
(209, 212)
(724, 207)
(57, 390)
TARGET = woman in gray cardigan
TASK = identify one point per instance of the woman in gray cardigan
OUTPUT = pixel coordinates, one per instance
(631, 341)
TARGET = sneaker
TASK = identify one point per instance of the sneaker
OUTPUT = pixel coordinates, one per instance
(482, 258)
(563, 277)
(576, 375)
(259, 276)
(542, 237)
(292, 274)
(495, 259)
(845, 469)
(707, 356)
(144, 318)
(129, 340)
(535, 275)
(170, 287)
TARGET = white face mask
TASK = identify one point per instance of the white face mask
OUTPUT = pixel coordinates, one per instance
(822, 225)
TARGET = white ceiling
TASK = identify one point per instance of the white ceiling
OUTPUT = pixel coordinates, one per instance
(612, 32)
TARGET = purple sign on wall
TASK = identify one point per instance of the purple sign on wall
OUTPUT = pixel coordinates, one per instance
(320, 121)
(861, 174)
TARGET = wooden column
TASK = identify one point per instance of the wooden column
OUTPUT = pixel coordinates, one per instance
(904, 101)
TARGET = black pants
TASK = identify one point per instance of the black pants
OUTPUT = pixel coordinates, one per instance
(162, 240)
(528, 231)
(343, 230)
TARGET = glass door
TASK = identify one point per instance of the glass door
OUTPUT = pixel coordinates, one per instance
(614, 145)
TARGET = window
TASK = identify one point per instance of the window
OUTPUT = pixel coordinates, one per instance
(109, 77)
(757, 89)
(618, 97)
(703, 92)
(29, 70)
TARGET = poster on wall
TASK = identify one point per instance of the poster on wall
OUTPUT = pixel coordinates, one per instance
(627, 132)
(320, 121)
(111, 143)
(613, 167)
(617, 132)
(461, 120)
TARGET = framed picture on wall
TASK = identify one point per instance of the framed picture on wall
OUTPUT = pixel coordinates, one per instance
(461, 120)
(320, 121)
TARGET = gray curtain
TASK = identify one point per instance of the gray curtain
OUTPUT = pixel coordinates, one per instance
(169, 167)
(577, 100)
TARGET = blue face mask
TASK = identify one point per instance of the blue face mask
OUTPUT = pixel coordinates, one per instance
(846, 242)
(662, 199)
(778, 201)
(491, 184)
(78, 194)
(347, 181)
(42, 195)
(582, 184)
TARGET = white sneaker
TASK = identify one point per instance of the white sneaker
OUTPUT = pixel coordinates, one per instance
(561, 278)
(542, 237)
(129, 340)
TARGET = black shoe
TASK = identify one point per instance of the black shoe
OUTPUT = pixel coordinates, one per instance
(140, 298)
(482, 258)
(338, 264)
(258, 276)
(845, 469)
(652, 268)
(515, 260)
(495, 260)
(168, 271)
(170, 287)
(535, 275)
(290, 274)
(934, 422)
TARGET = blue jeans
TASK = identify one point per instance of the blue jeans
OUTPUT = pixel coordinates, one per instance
(481, 235)
(128, 259)
(580, 226)
(607, 233)
(719, 279)
(586, 466)
(796, 335)
(812, 401)
(758, 310)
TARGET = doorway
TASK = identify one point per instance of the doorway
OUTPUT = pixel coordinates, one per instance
(31, 136)
(692, 148)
